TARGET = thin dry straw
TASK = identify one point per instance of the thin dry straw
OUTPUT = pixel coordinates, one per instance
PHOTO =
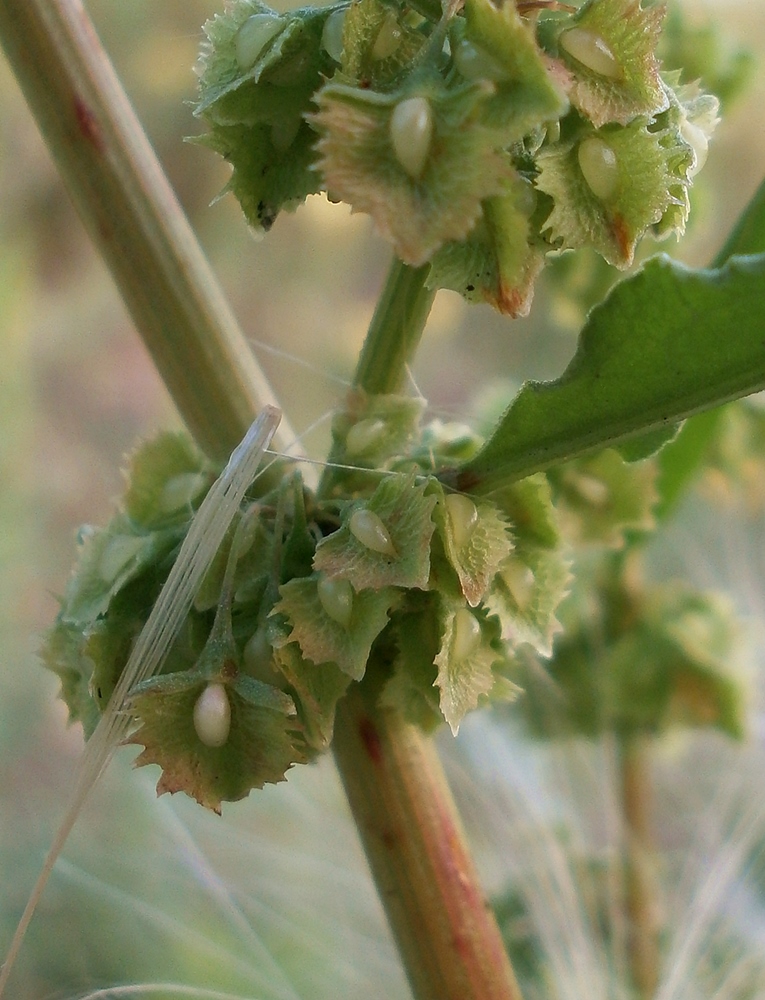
(203, 540)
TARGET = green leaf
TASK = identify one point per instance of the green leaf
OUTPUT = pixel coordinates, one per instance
(748, 235)
(681, 460)
(321, 638)
(666, 343)
(400, 502)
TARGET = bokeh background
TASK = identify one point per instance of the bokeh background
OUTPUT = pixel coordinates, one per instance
(272, 901)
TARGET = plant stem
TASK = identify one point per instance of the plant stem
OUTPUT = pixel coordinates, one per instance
(641, 909)
(126, 203)
(390, 344)
(395, 330)
(447, 935)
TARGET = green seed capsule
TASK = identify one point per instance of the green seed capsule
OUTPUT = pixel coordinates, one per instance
(466, 635)
(476, 64)
(336, 598)
(463, 517)
(367, 528)
(284, 132)
(388, 38)
(599, 166)
(411, 134)
(117, 554)
(591, 51)
(253, 36)
(526, 198)
(178, 492)
(212, 716)
(591, 489)
(364, 436)
(332, 35)
(520, 582)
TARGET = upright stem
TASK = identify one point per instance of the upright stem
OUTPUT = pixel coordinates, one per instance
(446, 934)
(126, 203)
(402, 805)
(642, 915)
(395, 330)
(390, 344)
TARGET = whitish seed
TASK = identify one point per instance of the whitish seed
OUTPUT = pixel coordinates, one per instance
(526, 198)
(591, 489)
(591, 51)
(117, 554)
(411, 134)
(463, 517)
(336, 598)
(599, 166)
(388, 38)
(364, 436)
(367, 528)
(698, 140)
(520, 582)
(332, 35)
(474, 63)
(466, 635)
(257, 652)
(212, 716)
(179, 491)
(256, 32)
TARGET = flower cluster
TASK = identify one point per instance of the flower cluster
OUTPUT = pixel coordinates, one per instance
(479, 137)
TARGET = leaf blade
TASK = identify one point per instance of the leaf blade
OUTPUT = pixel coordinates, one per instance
(650, 355)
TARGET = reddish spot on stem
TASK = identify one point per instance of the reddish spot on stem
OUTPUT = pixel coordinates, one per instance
(389, 838)
(371, 740)
(88, 125)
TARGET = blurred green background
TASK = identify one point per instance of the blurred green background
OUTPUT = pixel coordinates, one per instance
(273, 900)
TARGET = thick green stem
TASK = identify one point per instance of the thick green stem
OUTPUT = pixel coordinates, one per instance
(641, 906)
(447, 935)
(395, 330)
(135, 220)
(390, 344)
(409, 826)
